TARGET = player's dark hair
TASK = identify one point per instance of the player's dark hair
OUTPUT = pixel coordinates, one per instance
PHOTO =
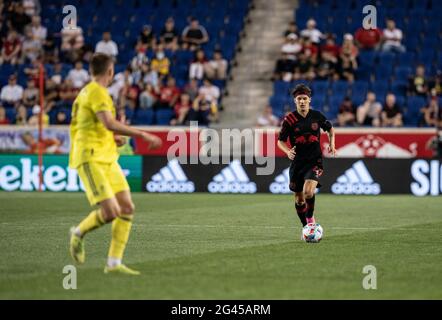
(100, 63)
(301, 89)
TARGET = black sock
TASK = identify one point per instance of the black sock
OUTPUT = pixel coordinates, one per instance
(310, 207)
(301, 210)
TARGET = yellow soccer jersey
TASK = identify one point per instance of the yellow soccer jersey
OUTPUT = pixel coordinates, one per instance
(90, 140)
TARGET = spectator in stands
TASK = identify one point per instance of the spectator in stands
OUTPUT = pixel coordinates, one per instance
(304, 69)
(292, 28)
(418, 84)
(122, 80)
(347, 113)
(192, 89)
(30, 95)
(169, 35)
(68, 92)
(331, 48)
(31, 7)
(10, 52)
(149, 75)
(57, 74)
(368, 38)
(391, 113)
(31, 48)
(39, 32)
(50, 50)
(169, 94)
(310, 50)
(291, 48)
(203, 111)
(21, 117)
(326, 67)
(34, 119)
(181, 109)
(216, 69)
(433, 113)
(3, 119)
(197, 67)
(33, 70)
(267, 118)
(347, 59)
(284, 69)
(311, 32)
(12, 93)
(51, 93)
(209, 92)
(137, 63)
(18, 19)
(72, 41)
(79, 76)
(146, 39)
(61, 118)
(369, 113)
(107, 45)
(435, 84)
(148, 97)
(195, 34)
(392, 38)
(160, 62)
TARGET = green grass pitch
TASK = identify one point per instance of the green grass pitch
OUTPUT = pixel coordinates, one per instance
(204, 246)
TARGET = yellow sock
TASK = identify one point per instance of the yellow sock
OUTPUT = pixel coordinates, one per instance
(93, 221)
(120, 235)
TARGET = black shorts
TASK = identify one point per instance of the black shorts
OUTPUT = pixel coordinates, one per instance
(304, 170)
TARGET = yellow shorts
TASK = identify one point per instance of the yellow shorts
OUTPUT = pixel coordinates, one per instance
(102, 180)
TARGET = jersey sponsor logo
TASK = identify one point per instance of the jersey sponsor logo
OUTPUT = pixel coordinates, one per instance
(315, 126)
(281, 183)
(170, 178)
(356, 180)
(232, 179)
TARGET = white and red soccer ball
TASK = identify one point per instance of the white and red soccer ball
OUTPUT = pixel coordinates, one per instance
(312, 233)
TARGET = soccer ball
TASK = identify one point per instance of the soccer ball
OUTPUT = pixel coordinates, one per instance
(312, 232)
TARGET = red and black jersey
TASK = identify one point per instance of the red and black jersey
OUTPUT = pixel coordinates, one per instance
(304, 133)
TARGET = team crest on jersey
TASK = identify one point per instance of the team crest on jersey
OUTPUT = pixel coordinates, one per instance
(314, 126)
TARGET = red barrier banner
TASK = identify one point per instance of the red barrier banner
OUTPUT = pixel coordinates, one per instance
(374, 143)
(350, 142)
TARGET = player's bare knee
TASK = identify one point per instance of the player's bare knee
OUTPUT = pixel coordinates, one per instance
(110, 213)
(309, 194)
(128, 209)
(299, 199)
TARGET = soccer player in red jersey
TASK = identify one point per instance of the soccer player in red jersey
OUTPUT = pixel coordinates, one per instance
(302, 128)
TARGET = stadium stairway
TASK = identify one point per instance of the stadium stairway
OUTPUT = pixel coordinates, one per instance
(251, 86)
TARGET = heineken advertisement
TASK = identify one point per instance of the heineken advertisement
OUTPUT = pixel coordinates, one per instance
(20, 173)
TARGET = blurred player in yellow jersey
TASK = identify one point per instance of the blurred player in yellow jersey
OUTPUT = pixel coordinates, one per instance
(94, 136)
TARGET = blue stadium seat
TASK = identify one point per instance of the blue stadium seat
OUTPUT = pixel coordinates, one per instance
(339, 87)
(319, 88)
(416, 102)
(144, 117)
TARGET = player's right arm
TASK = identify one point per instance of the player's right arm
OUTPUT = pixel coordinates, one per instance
(282, 144)
(119, 128)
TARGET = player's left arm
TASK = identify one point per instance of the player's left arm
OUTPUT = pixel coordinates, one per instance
(327, 126)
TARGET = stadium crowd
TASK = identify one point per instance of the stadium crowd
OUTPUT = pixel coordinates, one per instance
(363, 78)
(143, 86)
